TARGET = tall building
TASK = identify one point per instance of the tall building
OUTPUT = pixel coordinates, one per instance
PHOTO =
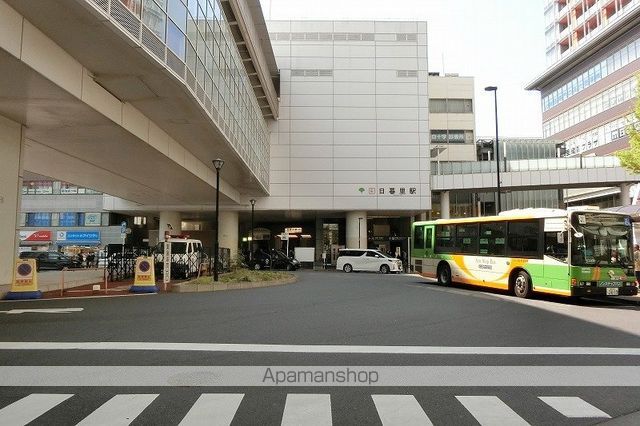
(351, 147)
(589, 88)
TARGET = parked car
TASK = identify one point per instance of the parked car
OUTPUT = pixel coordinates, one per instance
(187, 255)
(50, 260)
(276, 260)
(367, 260)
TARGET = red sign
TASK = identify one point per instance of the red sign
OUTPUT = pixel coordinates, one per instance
(35, 235)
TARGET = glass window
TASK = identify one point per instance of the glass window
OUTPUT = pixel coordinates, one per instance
(176, 40)
(523, 236)
(492, 238)
(445, 238)
(467, 238)
(154, 18)
(133, 6)
(428, 243)
(67, 219)
(38, 219)
(178, 14)
(418, 237)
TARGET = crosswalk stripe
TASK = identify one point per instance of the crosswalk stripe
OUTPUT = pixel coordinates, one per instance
(30, 407)
(120, 410)
(400, 410)
(213, 409)
(572, 406)
(490, 410)
(307, 409)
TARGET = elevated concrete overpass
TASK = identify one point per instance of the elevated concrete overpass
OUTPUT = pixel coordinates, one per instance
(550, 173)
(92, 96)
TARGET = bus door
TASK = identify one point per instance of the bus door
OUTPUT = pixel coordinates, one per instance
(555, 263)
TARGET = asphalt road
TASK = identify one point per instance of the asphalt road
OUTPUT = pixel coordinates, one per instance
(440, 355)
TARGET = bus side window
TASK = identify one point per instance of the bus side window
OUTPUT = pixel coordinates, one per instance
(429, 240)
(418, 237)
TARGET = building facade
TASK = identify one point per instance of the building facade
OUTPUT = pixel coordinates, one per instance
(589, 89)
(353, 135)
(451, 117)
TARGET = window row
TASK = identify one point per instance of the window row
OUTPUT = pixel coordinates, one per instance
(197, 33)
(519, 238)
(611, 97)
(454, 106)
(614, 62)
(599, 136)
(47, 187)
(63, 219)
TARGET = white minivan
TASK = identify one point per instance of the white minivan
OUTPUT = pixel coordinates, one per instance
(187, 255)
(367, 260)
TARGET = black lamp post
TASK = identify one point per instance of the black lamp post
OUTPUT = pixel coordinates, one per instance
(217, 163)
(494, 89)
(359, 226)
(253, 206)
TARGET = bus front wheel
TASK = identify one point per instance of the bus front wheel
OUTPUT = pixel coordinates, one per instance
(444, 275)
(522, 285)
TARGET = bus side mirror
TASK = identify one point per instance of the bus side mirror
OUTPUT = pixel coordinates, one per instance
(578, 235)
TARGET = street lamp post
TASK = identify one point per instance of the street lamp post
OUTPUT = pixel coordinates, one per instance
(217, 163)
(359, 226)
(253, 206)
(494, 89)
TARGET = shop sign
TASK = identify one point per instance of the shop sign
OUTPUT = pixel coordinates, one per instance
(35, 235)
(92, 219)
(293, 230)
(78, 236)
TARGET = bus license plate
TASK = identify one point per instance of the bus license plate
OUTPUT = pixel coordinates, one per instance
(612, 291)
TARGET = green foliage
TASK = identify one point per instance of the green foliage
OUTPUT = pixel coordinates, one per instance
(244, 275)
(630, 157)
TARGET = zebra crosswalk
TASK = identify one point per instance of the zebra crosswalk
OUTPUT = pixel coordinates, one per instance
(299, 408)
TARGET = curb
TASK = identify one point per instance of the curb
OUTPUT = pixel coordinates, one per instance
(190, 288)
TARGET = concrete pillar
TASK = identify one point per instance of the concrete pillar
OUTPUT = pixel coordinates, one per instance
(357, 228)
(169, 221)
(229, 232)
(444, 205)
(625, 194)
(11, 152)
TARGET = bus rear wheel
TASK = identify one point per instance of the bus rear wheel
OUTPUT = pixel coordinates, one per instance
(444, 275)
(522, 285)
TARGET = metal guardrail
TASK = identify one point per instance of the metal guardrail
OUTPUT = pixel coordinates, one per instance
(120, 264)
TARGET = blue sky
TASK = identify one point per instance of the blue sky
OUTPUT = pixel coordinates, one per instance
(499, 42)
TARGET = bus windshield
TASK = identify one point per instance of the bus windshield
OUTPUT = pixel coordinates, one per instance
(603, 240)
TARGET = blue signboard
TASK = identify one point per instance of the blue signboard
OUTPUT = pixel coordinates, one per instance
(71, 237)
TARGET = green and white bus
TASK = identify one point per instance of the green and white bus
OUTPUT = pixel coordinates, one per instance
(568, 253)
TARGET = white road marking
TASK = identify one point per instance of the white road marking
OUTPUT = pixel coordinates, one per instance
(490, 410)
(574, 407)
(400, 410)
(315, 349)
(43, 311)
(30, 408)
(213, 409)
(307, 409)
(120, 410)
(256, 376)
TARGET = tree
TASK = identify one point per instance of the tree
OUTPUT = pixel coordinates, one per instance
(630, 157)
